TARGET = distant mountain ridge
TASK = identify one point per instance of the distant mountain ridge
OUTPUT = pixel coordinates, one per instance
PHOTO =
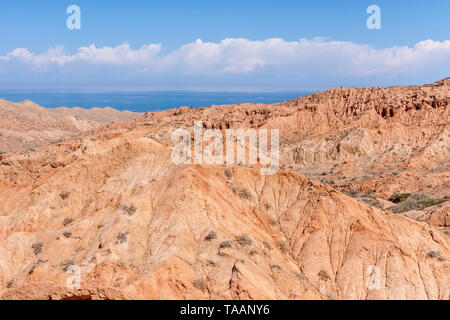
(26, 125)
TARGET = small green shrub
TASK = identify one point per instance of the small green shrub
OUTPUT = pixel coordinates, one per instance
(228, 173)
(267, 245)
(273, 222)
(37, 247)
(399, 197)
(323, 275)
(275, 266)
(245, 194)
(351, 193)
(129, 210)
(284, 247)
(417, 201)
(367, 198)
(226, 244)
(67, 221)
(433, 202)
(121, 237)
(200, 284)
(64, 195)
(10, 284)
(371, 201)
(33, 267)
(244, 240)
(435, 254)
(211, 236)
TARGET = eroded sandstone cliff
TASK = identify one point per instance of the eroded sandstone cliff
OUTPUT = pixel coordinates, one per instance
(112, 203)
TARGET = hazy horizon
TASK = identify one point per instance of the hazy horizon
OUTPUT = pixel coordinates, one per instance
(145, 101)
(249, 46)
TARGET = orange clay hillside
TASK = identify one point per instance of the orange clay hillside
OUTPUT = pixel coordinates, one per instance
(363, 185)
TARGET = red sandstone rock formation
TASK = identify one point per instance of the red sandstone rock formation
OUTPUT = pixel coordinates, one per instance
(112, 203)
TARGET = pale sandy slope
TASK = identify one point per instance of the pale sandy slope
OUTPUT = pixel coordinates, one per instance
(26, 125)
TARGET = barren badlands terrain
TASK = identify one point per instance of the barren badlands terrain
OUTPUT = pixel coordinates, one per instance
(363, 183)
(26, 125)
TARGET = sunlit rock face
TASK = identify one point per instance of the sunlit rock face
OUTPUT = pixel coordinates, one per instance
(108, 215)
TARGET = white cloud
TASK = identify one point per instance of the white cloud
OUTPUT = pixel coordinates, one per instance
(243, 56)
(121, 55)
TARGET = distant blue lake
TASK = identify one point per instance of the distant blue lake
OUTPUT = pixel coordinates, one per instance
(144, 101)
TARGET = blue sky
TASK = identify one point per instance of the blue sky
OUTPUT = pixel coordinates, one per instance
(337, 47)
